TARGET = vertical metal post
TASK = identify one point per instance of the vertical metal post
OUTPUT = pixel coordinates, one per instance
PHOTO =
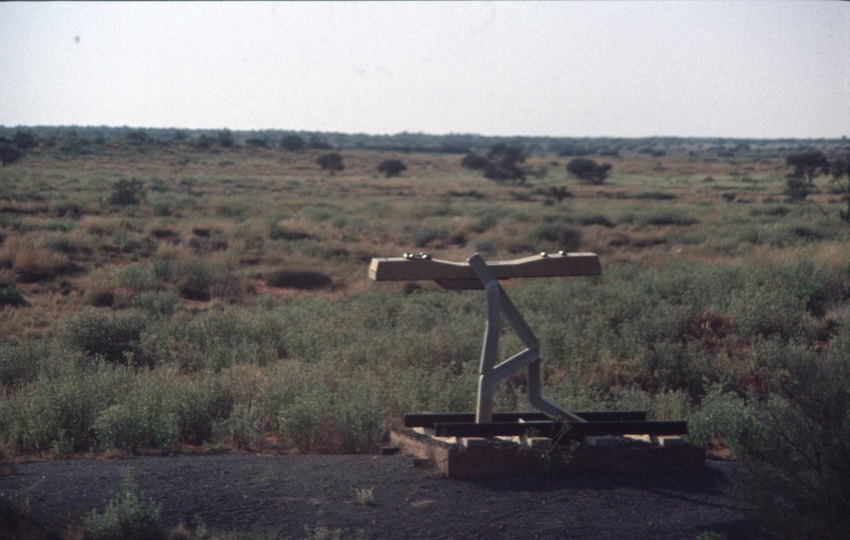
(490, 374)
(489, 352)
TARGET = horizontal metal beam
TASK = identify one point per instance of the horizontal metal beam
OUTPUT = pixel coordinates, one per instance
(570, 430)
(445, 272)
(429, 420)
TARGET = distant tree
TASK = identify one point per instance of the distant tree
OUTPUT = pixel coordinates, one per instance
(391, 167)
(73, 144)
(257, 142)
(448, 148)
(474, 161)
(510, 155)
(808, 165)
(136, 137)
(292, 142)
(575, 150)
(331, 162)
(225, 138)
(841, 169)
(24, 140)
(204, 142)
(9, 153)
(500, 173)
(588, 171)
(504, 163)
(316, 143)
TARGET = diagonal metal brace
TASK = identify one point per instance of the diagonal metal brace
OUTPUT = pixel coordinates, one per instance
(498, 303)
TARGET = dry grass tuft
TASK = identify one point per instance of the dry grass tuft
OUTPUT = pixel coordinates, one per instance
(33, 264)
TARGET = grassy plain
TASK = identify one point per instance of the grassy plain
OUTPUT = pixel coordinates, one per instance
(170, 325)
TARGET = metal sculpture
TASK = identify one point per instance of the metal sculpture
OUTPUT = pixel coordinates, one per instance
(478, 274)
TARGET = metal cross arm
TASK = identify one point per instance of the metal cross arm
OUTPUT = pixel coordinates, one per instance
(478, 274)
(452, 275)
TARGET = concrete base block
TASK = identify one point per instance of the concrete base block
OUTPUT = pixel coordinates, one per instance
(498, 457)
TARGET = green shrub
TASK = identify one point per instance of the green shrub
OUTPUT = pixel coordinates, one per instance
(101, 298)
(655, 195)
(145, 417)
(769, 310)
(561, 237)
(391, 167)
(246, 426)
(257, 142)
(277, 232)
(157, 303)
(137, 278)
(425, 235)
(112, 337)
(469, 193)
(126, 192)
(64, 245)
(305, 423)
(163, 268)
(130, 426)
(669, 218)
(520, 196)
(362, 420)
(298, 279)
(58, 414)
(597, 219)
(199, 279)
(10, 295)
(331, 161)
(796, 471)
(485, 245)
(20, 362)
(127, 517)
(807, 233)
(215, 340)
(193, 289)
(588, 171)
(475, 162)
(723, 419)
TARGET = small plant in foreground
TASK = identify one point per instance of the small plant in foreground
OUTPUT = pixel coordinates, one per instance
(711, 535)
(795, 464)
(365, 496)
(322, 533)
(126, 518)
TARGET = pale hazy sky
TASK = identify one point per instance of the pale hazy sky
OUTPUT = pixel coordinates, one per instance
(623, 69)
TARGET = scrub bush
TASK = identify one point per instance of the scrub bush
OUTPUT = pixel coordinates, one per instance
(796, 466)
(298, 279)
(111, 337)
(10, 295)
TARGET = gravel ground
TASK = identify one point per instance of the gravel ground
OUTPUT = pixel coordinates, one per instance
(260, 493)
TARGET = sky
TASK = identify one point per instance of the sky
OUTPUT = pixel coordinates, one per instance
(563, 69)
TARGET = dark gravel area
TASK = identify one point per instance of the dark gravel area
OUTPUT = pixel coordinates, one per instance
(259, 493)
